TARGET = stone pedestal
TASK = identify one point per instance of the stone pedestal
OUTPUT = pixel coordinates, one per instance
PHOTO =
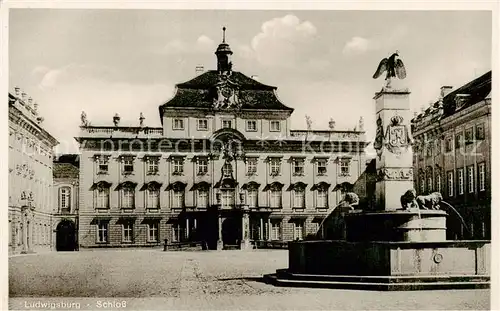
(245, 231)
(393, 144)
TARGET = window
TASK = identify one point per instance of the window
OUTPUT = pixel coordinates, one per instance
(298, 230)
(438, 182)
(251, 126)
(321, 198)
(422, 184)
(252, 198)
(429, 184)
(64, 199)
(128, 197)
(482, 176)
(480, 131)
(460, 181)
(251, 166)
(102, 197)
(429, 150)
(275, 164)
(202, 166)
(450, 184)
(275, 230)
(321, 167)
(438, 146)
(178, 199)
(152, 165)
(128, 165)
(177, 232)
(275, 199)
(299, 198)
(458, 140)
(102, 165)
(178, 124)
(102, 232)
(344, 167)
(153, 232)
(227, 198)
(127, 229)
(470, 178)
(202, 124)
(298, 167)
(469, 136)
(227, 169)
(227, 124)
(275, 126)
(202, 198)
(178, 166)
(153, 197)
(449, 144)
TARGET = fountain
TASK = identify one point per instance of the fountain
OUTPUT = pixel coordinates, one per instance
(401, 243)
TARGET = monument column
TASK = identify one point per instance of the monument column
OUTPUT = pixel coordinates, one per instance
(245, 229)
(393, 140)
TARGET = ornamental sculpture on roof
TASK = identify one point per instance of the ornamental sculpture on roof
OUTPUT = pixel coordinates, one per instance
(227, 94)
(393, 66)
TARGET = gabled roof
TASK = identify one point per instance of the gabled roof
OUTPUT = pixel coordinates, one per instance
(65, 170)
(200, 92)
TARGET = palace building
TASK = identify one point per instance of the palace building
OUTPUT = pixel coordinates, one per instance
(225, 168)
(30, 177)
(453, 154)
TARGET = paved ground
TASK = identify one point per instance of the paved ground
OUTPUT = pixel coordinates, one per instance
(230, 280)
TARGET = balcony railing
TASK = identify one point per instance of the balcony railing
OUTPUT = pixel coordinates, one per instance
(122, 131)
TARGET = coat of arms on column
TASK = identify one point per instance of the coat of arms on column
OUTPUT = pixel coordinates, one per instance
(397, 136)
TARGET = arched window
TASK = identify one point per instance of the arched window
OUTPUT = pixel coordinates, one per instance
(64, 199)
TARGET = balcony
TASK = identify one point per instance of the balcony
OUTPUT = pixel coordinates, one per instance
(121, 132)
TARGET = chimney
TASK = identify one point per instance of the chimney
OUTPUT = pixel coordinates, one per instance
(256, 78)
(199, 70)
(30, 101)
(17, 91)
(23, 96)
(445, 90)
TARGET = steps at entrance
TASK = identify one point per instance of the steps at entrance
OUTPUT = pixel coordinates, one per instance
(231, 247)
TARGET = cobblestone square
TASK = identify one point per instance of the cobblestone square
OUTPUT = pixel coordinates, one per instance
(230, 280)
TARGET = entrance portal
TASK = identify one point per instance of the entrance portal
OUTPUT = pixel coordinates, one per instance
(66, 236)
(231, 231)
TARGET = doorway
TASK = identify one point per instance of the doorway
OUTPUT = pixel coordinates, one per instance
(66, 236)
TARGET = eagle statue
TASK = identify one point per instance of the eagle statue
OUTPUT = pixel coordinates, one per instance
(394, 67)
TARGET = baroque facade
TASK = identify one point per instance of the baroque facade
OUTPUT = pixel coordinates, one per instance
(30, 177)
(225, 168)
(453, 155)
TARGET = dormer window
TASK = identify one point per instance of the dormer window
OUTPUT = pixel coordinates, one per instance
(178, 124)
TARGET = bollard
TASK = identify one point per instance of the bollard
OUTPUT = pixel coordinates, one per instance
(165, 247)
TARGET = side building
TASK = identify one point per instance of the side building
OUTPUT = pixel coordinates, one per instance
(66, 188)
(453, 155)
(30, 177)
(224, 168)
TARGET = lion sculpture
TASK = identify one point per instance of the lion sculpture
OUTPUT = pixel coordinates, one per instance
(430, 201)
(408, 199)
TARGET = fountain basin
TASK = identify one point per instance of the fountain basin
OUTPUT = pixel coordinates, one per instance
(399, 225)
(386, 265)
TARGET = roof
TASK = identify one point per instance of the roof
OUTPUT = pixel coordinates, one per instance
(465, 96)
(65, 170)
(200, 92)
(68, 158)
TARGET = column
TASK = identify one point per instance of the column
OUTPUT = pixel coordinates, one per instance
(261, 229)
(187, 228)
(269, 229)
(219, 241)
(393, 145)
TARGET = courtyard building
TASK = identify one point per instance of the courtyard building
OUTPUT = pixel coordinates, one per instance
(225, 168)
(453, 155)
(30, 177)
(65, 217)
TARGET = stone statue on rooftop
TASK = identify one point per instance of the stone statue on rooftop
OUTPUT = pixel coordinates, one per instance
(393, 66)
(83, 117)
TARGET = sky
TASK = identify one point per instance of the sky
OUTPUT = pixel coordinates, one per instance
(128, 61)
